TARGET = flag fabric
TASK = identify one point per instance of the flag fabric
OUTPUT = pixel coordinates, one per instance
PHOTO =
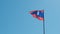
(39, 14)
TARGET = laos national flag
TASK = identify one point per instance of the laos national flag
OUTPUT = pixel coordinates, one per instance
(39, 14)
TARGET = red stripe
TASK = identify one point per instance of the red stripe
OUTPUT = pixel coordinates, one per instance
(40, 18)
(32, 11)
(34, 15)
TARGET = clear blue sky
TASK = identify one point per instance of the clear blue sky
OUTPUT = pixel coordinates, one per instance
(15, 19)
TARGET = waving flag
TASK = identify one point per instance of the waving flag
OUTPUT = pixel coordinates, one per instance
(39, 14)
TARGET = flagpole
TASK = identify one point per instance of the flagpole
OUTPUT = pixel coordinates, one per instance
(43, 27)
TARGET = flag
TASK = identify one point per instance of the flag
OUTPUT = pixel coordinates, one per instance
(39, 14)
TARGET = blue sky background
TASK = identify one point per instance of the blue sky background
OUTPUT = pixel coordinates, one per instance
(15, 17)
